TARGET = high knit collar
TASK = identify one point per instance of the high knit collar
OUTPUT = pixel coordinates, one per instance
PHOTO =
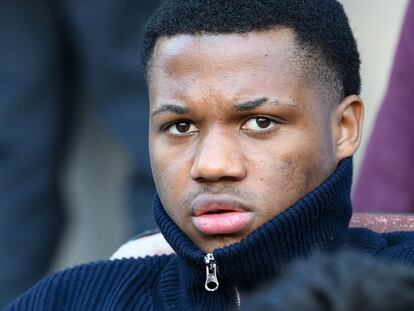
(318, 221)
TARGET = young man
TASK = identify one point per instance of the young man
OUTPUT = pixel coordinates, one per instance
(254, 117)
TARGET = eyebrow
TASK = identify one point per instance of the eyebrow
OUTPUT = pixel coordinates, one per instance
(170, 108)
(253, 104)
(245, 106)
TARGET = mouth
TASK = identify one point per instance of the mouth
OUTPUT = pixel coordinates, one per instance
(220, 216)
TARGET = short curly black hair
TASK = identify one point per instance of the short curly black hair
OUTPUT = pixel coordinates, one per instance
(323, 35)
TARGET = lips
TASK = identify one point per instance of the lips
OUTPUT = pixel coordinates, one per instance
(217, 216)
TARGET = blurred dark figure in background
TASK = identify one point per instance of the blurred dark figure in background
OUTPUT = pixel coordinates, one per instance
(386, 181)
(345, 281)
(54, 54)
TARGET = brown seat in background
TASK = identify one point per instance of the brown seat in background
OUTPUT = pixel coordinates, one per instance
(383, 222)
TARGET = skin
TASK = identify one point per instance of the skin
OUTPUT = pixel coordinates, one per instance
(232, 116)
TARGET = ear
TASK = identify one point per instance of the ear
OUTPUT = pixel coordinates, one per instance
(347, 124)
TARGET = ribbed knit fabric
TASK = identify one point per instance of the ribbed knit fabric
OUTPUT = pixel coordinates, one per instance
(319, 221)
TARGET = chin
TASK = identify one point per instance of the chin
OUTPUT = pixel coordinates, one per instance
(218, 241)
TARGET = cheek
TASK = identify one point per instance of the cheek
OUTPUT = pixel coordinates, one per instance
(288, 170)
(171, 174)
(305, 166)
(165, 185)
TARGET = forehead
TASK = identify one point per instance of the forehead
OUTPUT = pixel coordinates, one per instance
(272, 41)
(224, 64)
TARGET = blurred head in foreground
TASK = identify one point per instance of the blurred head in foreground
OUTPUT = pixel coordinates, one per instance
(345, 281)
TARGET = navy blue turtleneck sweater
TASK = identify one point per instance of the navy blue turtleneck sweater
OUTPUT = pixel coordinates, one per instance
(319, 221)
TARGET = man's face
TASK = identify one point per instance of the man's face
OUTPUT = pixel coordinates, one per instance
(236, 136)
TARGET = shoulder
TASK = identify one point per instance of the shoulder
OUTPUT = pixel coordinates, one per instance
(400, 247)
(101, 285)
(392, 246)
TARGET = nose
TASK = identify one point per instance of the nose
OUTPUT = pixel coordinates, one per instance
(218, 157)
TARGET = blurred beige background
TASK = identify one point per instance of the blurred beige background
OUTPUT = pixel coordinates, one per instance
(99, 167)
(376, 25)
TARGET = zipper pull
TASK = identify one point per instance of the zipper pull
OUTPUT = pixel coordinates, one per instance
(212, 283)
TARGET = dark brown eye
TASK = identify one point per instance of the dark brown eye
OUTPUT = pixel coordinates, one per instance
(183, 127)
(259, 124)
(263, 122)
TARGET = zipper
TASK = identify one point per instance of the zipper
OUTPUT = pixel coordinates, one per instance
(211, 283)
(238, 301)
